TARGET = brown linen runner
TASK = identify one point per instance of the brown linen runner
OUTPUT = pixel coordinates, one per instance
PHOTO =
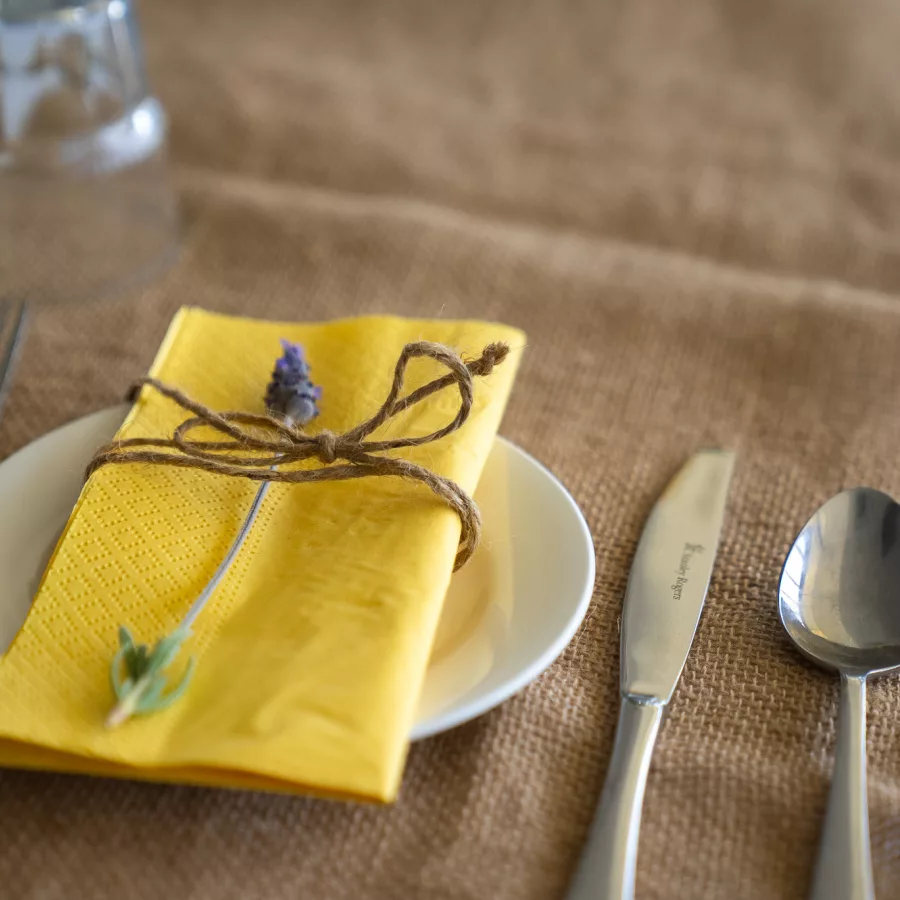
(691, 209)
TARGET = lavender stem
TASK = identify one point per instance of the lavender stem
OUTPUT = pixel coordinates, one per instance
(137, 673)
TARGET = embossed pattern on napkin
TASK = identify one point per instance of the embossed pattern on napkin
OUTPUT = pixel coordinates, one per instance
(313, 650)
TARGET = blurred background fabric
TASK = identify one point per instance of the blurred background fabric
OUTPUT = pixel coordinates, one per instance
(763, 135)
(694, 211)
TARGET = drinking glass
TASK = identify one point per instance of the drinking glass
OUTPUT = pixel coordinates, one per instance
(86, 206)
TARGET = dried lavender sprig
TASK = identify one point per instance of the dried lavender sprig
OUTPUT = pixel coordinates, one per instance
(290, 394)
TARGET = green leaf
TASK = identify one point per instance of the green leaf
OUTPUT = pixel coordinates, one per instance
(136, 660)
(149, 699)
(115, 676)
(142, 689)
(165, 651)
(176, 692)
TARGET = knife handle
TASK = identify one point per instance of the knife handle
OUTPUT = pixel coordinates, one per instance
(607, 866)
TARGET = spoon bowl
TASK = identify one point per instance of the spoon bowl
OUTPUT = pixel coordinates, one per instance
(839, 597)
(839, 601)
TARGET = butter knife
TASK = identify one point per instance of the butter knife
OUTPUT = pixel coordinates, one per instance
(665, 595)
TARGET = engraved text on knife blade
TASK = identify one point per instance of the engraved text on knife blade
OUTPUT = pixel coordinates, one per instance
(681, 573)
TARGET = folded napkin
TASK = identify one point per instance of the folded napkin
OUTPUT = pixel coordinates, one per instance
(312, 653)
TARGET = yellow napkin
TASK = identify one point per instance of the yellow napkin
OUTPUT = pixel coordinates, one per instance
(311, 655)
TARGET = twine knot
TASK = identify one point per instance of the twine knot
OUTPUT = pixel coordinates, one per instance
(276, 443)
(326, 447)
(492, 355)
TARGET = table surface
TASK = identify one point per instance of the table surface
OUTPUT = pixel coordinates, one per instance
(693, 210)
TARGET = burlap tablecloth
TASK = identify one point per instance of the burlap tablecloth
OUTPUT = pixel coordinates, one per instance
(693, 209)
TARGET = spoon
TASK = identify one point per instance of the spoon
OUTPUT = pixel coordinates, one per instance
(839, 600)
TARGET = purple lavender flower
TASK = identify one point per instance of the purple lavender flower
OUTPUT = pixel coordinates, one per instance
(291, 393)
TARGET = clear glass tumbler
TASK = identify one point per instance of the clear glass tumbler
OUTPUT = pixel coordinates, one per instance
(86, 206)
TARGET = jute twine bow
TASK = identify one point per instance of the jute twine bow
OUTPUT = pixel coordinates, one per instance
(282, 443)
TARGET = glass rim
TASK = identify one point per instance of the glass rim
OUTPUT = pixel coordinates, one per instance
(17, 12)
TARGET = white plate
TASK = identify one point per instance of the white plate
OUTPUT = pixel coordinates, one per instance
(508, 614)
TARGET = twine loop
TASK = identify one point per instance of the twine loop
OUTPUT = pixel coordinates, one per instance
(277, 443)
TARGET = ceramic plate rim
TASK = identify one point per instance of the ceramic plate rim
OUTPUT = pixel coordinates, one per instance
(475, 702)
(481, 702)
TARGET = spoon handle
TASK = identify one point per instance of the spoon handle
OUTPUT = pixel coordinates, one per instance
(844, 866)
(607, 867)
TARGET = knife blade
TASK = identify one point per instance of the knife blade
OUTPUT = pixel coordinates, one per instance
(670, 576)
(666, 591)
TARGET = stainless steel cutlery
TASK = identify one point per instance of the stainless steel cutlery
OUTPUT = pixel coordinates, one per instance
(665, 595)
